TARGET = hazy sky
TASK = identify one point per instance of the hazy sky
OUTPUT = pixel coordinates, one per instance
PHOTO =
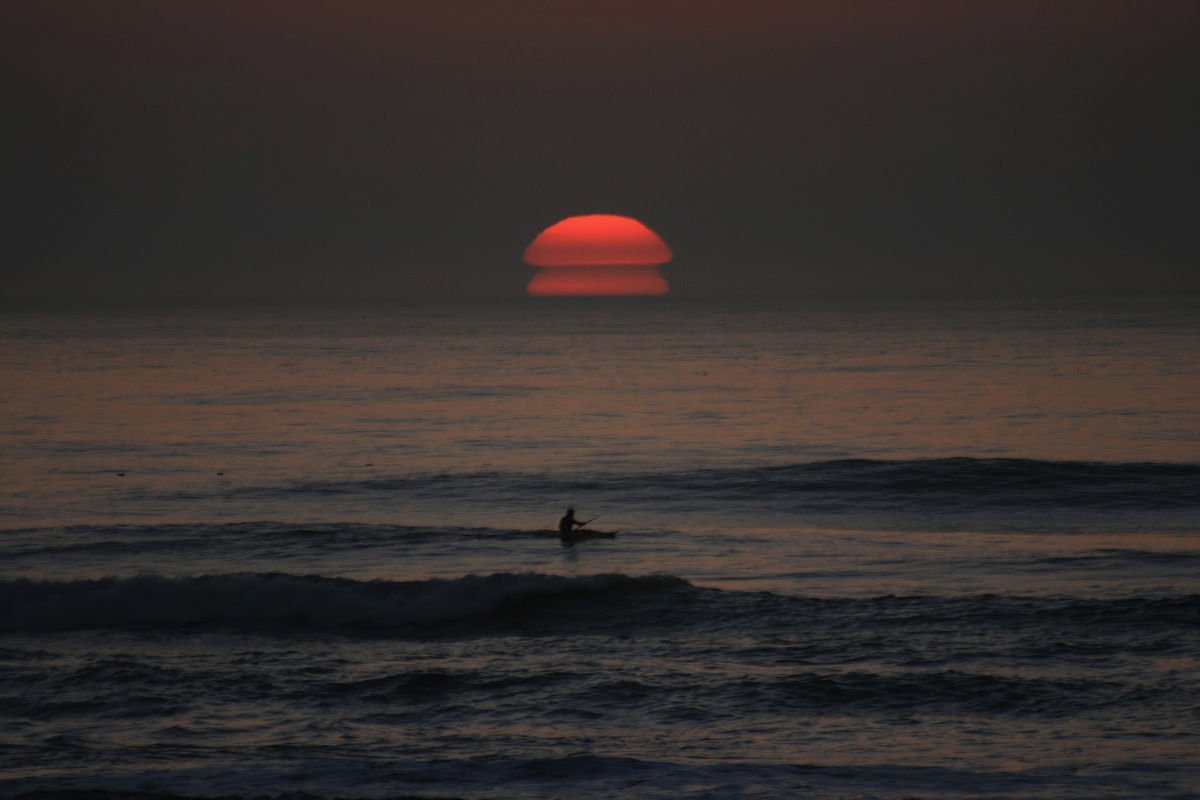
(207, 150)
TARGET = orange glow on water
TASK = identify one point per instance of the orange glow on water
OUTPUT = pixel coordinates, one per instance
(598, 254)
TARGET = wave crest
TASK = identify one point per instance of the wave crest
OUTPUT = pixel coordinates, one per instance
(267, 600)
(836, 486)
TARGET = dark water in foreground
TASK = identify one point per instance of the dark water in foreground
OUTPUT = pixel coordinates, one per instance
(865, 551)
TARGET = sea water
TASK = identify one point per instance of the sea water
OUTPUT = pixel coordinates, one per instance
(868, 548)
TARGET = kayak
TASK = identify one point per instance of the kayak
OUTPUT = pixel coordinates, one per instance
(584, 535)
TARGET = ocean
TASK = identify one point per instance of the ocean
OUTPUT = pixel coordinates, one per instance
(866, 548)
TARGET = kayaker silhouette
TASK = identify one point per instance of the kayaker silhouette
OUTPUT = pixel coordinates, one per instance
(568, 524)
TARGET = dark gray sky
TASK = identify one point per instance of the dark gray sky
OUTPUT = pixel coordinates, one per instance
(230, 150)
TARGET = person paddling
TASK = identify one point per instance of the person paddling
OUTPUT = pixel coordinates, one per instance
(568, 524)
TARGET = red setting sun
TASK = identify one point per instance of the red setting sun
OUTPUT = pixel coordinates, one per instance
(598, 254)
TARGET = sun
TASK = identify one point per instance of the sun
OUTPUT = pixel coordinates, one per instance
(597, 255)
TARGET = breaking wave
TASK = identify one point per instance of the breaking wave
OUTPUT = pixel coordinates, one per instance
(507, 601)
